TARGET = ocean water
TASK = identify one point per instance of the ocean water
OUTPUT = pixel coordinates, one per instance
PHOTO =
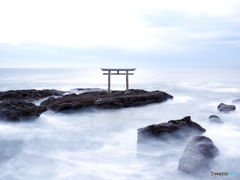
(102, 144)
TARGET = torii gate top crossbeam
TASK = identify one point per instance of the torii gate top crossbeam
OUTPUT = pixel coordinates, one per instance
(104, 69)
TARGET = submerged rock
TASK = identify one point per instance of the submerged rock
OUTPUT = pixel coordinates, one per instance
(16, 110)
(215, 119)
(197, 155)
(29, 94)
(236, 101)
(173, 129)
(226, 108)
(99, 99)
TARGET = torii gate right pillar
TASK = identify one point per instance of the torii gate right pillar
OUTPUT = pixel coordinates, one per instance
(127, 91)
(109, 81)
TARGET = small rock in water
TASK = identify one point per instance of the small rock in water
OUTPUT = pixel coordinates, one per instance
(215, 119)
(174, 129)
(236, 101)
(226, 108)
(197, 155)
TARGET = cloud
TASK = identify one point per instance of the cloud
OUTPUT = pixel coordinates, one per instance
(42, 56)
(77, 33)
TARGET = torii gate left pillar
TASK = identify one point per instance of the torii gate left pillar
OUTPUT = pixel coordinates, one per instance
(118, 72)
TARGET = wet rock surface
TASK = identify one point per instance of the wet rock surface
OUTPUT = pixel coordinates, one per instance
(16, 110)
(197, 155)
(173, 129)
(215, 119)
(15, 106)
(68, 102)
(226, 108)
(100, 99)
(29, 95)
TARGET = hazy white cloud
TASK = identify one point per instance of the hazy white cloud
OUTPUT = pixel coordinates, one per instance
(106, 31)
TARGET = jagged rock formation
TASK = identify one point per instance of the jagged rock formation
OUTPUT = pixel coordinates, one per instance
(173, 129)
(16, 110)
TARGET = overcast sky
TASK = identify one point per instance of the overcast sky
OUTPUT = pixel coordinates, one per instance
(111, 33)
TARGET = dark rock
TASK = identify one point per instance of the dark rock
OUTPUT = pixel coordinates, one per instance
(197, 155)
(236, 101)
(30, 94)
(68, 102)
(13, 110)
(226, 108)
(173, 129)
(215, 119)
(119, 99)
(99, 99)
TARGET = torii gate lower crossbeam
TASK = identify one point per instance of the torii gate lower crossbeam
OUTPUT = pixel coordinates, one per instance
(117, 72)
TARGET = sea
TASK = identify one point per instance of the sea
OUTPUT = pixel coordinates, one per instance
(101, 144)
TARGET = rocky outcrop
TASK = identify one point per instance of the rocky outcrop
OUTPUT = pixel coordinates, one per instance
(99, 99)
(215, 119)
(197, 155)
(173, 129)
(15, 106)
(68, 102)
(226, 108)
(17, 110)
(236, 101)
(29, 95)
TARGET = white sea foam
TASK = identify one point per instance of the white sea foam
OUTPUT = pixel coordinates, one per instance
(102, 144)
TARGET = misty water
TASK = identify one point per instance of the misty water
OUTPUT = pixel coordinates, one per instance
(102, 144)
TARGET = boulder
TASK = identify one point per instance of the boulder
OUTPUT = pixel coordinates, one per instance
(17, 110)
(100, 99)
(236, 101)
(215, 119)
(226, 108)
(29, 95)
(197, 155)
(173, 129)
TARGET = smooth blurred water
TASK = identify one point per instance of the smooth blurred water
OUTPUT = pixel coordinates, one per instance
(102, 144)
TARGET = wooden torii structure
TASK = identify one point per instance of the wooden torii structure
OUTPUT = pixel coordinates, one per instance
(117, 72)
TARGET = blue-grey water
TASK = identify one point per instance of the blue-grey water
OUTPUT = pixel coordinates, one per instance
(102, 144)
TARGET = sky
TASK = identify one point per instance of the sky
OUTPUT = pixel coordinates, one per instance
(120, 33)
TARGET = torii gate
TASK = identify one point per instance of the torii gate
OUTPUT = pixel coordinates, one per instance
(118, 72)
